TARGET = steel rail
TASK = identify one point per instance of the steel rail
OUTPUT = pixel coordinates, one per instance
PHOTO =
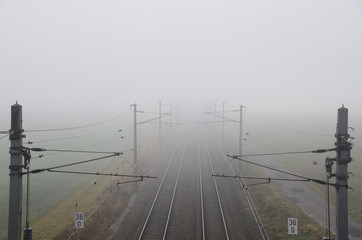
(201, 192)
(217, 193)
(173, 194)
(157, 193)
(253, 208)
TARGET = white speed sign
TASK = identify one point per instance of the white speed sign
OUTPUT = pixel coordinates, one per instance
(79, 220)
(293, 226)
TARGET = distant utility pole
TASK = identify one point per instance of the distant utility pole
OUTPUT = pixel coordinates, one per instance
(176, 107)
(241, 130)
(16, 165)
(215, 112)
(135, 160)
(159, 123)
(241, 134)
(342, 159)
(170, 113)
(223, 121)
(159, 117)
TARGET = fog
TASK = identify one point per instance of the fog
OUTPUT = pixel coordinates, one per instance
(81, 57)
(73, 63)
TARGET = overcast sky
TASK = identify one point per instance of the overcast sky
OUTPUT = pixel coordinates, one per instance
(272, 55)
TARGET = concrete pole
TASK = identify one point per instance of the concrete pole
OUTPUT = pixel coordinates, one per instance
(241, 130)
(135, 160)
(342, 159)
(159, 124)
(215, 112)
(241, 135)
(16, 165)
(135, 147)
(223, 121)
(176, 107)
(240, 138)
(170, 113)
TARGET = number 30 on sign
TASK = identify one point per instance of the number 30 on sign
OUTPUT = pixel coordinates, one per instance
(79, 220)
(293, 226)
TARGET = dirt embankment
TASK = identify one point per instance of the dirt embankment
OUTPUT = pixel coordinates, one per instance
(99, 223)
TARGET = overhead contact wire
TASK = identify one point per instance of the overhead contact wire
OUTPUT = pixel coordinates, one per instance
(77, 127)
(286, 153)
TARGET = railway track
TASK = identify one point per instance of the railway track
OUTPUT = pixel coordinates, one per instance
(239, 214)
(186, 202)
(175, 215)
(214, 218)
(250, 201)
(158, 218)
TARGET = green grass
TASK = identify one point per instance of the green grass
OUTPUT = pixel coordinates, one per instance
(272, 134)
(312, 166)
(54, 194)
(88, 196)
(275, 208)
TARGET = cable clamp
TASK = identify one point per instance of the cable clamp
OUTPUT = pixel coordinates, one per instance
(16, 134)
(15, 150)
(345, 160)
(15, 167)
(342, 176)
